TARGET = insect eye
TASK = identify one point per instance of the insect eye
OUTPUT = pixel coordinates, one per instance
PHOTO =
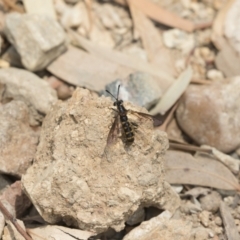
(121, 101)
(115, 103)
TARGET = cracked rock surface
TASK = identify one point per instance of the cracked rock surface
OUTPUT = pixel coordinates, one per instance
(77, 179)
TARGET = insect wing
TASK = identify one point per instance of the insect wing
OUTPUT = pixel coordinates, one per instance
(114, 131)
(156, 120)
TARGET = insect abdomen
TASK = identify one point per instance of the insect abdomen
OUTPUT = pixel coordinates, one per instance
(127, 129)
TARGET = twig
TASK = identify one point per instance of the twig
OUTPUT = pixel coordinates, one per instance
(13, 220)
(189, 147)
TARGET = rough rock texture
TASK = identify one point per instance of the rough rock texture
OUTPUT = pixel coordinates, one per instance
(38, 39)
(77, 180)
(161, 227)
(22, 85)
(210, 114)
(18, 141)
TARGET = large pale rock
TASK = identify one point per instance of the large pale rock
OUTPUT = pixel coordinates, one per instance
(210, 114)
(38, 39)
(18, 142)
(75, 178)
(25, 86)
(161, 227)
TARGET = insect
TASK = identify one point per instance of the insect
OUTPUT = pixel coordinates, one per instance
(126, 126)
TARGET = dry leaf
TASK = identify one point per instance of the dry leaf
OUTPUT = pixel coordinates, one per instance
(161, 15)
(157, 53)
(122, 59)
(183, 168)
(58, 232)
(79, 68)
(229, 222)
(174, 92)
(227, 60)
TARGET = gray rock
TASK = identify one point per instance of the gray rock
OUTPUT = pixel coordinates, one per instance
(91, 185)
(211, 202)
(38, 39)
(25, 86)
(210, 114)
(18, 142)
(138, 88)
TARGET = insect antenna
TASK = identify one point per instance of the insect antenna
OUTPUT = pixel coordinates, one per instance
(117, 93)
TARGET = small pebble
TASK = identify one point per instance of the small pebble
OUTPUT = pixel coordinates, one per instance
(204, 218)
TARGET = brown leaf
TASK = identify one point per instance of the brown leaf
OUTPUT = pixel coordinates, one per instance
(183, 168)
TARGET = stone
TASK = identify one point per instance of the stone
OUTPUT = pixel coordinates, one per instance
(214, 74)
(38, 39)
(139, 88)
(25, 86)
(179, 39)
(18, 142)
(211, 202)
(137, 217)
(210, 114)
(72, 16)
(161, 227)
(91, 185)
(200, 233)
(204, 217)
(231, 26)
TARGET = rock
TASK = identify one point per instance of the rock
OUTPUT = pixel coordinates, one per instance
(22, 85)
(200, 233)
(38, 39)
(210, 114)
(231, 26)
(138, 88)
(72, 16)
(16, 198)
(179, 39)
(211, 202)
(204, 218)
(137, 217)
(18, 141)
(161, 227)
(214, 74)
(91, 185)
